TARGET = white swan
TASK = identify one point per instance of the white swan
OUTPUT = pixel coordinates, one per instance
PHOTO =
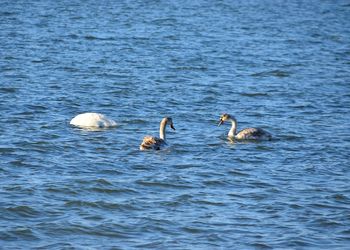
(92, 120)
(245, 134)
(151, 142)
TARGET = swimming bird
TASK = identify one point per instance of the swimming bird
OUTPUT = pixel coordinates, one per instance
(92, 120)
(151, 142)
(245, 134)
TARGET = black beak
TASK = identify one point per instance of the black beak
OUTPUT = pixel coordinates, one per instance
(172, 126)
(221, 122)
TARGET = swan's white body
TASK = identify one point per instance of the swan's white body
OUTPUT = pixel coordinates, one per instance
(152, 142)
(92, 120)
(245, 134)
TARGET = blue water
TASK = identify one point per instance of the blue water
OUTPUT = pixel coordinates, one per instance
(280, 65)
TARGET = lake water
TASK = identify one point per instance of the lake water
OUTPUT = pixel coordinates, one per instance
(280, 65)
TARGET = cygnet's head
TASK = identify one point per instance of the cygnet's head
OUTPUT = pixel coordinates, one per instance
(169, 121)
(225, 117)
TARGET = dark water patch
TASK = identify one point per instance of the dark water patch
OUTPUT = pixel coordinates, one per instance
(194, 230)
(37, 108)
(260, 245)
(114, 191)
(7, 150)
(5, 236)
(164, 21)
(260, 184)
(179, 201)
(301, 241)
(327, 223)
(346, 232)
(20, 233)
(216, 183)
(187, 166)
(9, 58)
(191, 68)
(100, 205)
(264, 147)
(8, 13)
(38, 146)
(39, 61)
(99, 182)
(235, 172)
(92, 37)
(69, 69)
(112, 172)
(23, 211)
(207, 203)
(341, 198)
(253, 94)
(101, 230)
(63, 190)
(276, 73)
(73, 36)
(296, 206)
(164, 226)
(289, 137)
(60, 245)
(8, 90)
(94, 218)
(161, 184)
(151, 245)
(20, 189)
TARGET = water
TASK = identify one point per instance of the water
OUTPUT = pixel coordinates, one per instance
(282, 66)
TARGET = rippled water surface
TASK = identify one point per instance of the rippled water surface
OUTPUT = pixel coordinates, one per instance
(280, 65)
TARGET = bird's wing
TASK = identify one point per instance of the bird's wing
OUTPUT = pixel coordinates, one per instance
(250, 133)
(151, 142)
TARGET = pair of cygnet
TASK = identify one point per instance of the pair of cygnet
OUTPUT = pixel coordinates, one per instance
(96, 120)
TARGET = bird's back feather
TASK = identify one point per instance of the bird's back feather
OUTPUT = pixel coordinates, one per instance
(253, 134)
(151, 142)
